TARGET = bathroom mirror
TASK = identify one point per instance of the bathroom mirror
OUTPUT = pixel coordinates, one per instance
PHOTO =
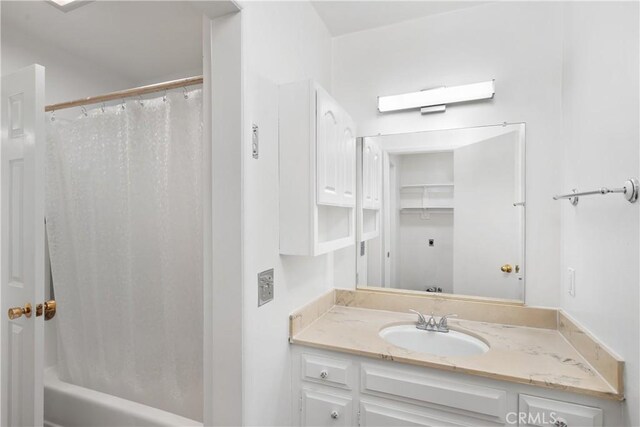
(443, 211)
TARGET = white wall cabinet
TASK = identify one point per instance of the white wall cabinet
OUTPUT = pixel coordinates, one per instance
(317, 171)
(337, 389)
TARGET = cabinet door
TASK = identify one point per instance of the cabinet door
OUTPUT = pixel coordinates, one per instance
(377, 177)
(537, 411)
(324, 409)
(371, 175)
(348, 160)
(327, 149)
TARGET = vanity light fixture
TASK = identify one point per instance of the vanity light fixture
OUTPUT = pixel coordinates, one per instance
(435, 100)
(67, 5)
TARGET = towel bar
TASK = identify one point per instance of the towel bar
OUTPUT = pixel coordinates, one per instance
(629, 190)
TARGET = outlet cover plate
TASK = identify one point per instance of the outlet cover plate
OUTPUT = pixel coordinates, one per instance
(571, 279)
(265, 286)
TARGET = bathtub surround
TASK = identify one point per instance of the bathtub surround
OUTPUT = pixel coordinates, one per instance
(526, 348)
(124, 215)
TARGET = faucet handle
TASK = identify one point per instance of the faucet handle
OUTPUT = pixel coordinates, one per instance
(421, 319)
(442, 324)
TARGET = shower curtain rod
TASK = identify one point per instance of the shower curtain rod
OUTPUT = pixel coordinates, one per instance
(127, 93)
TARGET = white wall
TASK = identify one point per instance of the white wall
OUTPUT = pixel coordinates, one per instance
(517, 43)
(67, 76)
(601, 146)
(419, 265)
(283, 42)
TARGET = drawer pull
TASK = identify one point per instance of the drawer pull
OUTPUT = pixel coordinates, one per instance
(560, 423)
(335, 415)
(324, 374)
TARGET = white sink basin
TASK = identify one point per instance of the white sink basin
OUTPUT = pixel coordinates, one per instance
(452, 343)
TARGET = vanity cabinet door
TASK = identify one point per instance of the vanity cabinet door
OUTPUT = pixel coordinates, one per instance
(326, 409)
(328, 144)
(537, 411)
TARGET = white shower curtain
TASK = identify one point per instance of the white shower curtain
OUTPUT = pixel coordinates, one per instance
(124, 226)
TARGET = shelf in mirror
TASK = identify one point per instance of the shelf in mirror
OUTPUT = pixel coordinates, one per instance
(421, 186)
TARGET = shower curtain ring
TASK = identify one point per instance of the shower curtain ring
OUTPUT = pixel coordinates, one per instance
(186, 95)
(140, 100)
(164, 97)
(53, 115)
(84, 111)
(102, 107)
(123, 106)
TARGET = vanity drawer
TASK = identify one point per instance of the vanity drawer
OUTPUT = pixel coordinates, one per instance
(327, 370)
(326, 409)
(482, 401)
(536, 411)
(387, 413)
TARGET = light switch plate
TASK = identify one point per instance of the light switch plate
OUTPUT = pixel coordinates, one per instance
(265, 286)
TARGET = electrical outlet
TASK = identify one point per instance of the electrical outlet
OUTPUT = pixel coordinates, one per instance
(265, 287)
(571, 281)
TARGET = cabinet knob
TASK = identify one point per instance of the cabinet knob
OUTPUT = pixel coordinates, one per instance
(560, 422)
(335, 415)
(324, 374)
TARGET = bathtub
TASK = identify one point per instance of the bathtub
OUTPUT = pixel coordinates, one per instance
(68, 405)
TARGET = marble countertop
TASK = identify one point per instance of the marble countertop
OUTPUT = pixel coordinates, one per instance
(541, 357)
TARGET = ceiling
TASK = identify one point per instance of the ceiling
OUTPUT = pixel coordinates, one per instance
(138, 39)
(343, 17)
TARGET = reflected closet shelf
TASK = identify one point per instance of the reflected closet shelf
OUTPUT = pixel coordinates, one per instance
(413, 186)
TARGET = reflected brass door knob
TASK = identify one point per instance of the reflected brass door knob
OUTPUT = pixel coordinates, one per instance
(49, 309)
(506, 268)
(16, 312)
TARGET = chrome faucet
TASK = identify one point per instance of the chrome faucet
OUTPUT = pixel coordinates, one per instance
(432, 324)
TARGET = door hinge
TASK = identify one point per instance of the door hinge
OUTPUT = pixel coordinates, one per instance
(358, 418)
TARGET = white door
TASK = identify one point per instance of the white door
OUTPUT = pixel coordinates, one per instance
(487, 231)
(389, 227)
(327, 146)
(22, 253)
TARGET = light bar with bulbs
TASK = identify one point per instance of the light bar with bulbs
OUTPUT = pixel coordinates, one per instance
(68, 5)
(437, 97)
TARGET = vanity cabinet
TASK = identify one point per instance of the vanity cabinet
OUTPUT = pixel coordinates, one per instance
(337, 389)
(317, 171)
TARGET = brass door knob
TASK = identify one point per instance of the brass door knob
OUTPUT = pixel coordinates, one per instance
(49, 309)
(506, 268)
(16, 312)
